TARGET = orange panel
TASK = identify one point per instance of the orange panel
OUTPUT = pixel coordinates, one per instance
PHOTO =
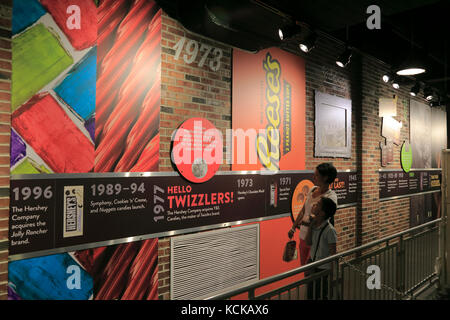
(269, 90)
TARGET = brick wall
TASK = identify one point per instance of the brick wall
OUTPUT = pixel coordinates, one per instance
(5, 128)
(189, 91)
(184, 86)
(387, 217)
(394, 215)
(164, 268)
(370, 151)
(322, 74)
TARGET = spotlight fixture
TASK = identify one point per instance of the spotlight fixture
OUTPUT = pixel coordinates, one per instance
(415, 89)
(395, 83)
(281, 33)
(438, 100)
(386, 77)
(428, 93)
(288, 31)
(344, 58)
(309, 43)
(436, 103)
(412, 65)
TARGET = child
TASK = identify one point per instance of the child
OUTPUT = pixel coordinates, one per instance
(322, 239)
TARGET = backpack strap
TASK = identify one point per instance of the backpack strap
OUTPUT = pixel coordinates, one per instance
(318, 242)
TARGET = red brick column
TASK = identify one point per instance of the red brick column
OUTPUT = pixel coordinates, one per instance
(378, 219)
(323, 75)
(188, 91)
(5, 131)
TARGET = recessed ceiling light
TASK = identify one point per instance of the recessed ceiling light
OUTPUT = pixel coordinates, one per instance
(410, 71)
(412, 65)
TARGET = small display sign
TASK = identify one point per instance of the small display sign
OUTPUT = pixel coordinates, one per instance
(197, 150)
(398, 183)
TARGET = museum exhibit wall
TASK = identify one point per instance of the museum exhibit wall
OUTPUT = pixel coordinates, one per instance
(180, 83)
(193, 91)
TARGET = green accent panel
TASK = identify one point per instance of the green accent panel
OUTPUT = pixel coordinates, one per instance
(406, 156)
(25, 167)
(37, 59)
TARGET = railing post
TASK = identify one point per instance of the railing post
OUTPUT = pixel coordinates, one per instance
(400, 268)
(332, 281)
(445, 224)
(442, 254)
(337, 277)
(342, 282)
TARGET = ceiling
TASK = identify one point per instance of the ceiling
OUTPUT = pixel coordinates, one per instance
(253, 25)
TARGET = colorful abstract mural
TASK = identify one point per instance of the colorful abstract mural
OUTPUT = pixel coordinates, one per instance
(53, 87)
(121, 272)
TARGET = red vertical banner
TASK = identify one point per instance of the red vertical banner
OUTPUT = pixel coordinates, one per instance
(128, 86)
(127, 132)
(269, 107)
(268, 120)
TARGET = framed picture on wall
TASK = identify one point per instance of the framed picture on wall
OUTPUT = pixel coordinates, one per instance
(438, 135)
(428, 134)
(421, 134)
(333, 126)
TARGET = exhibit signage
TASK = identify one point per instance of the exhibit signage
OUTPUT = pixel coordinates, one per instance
(396, 183)
(67, 211)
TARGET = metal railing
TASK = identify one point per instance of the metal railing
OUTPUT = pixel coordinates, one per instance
(401, 264)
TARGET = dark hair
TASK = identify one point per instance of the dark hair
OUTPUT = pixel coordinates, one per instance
(329, 207)
(327, 170)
